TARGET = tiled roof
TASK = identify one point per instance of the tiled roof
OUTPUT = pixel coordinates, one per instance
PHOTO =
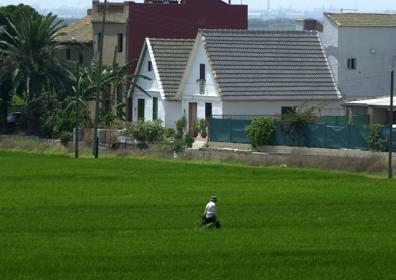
(269, 64)
(363, 20)
(80, 31)
(171, 56)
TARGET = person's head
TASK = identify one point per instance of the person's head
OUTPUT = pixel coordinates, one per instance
(213, 198)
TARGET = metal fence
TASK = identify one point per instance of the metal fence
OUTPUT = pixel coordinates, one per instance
(232, 128)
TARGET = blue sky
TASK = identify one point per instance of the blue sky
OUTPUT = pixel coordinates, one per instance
(364, 5)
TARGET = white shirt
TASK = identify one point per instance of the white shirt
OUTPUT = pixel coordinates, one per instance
(210, 210)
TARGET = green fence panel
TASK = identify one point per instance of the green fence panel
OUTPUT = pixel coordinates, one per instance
(359, 137)
(385, 135)
(363, 120)
(316, 135)
(231, 129)
(219, 130)
(238, 131)
(336, 137)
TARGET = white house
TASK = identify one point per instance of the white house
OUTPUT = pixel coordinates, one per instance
(241, 72)
(361, 49)
(162, 63)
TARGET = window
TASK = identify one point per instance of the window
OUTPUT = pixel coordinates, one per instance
(68, 54)
(141, 109)
(150, 66)
(155, 108)
(80, 58)
(99, 39)
(120, 42)
(286, 110)
(202, 71)
(352, 63)
(208, 110)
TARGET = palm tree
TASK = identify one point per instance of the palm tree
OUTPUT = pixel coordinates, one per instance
(31, 49)
(110, 78)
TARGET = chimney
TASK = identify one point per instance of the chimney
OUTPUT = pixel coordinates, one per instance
(311, 24)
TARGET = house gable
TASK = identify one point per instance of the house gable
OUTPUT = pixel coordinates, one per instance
(191, 85)
(153, 83)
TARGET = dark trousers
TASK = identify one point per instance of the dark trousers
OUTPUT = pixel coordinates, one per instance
(213, 221)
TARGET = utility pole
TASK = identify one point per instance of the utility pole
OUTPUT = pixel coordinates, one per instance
(95, 147)
(390, 169)
(77, 110)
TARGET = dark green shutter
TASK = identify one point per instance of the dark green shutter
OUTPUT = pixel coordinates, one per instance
(141, 109)
(155, 108)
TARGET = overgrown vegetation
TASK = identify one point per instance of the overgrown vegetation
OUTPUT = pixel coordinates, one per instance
(375, 142)
(261, 132)
(297, 120)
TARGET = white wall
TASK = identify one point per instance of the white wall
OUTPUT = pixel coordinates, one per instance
(329, 38)
(151, 87)
(191, 88)
(374, 49)
(275, 107)
(173, 113)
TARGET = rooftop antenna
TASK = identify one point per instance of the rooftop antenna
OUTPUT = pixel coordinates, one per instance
(268, 5)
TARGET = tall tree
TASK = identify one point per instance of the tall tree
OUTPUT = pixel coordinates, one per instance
(31, 50)
(5, 77)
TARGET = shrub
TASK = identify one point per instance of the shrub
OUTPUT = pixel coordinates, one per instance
(195, 128)
(169, 132)
(375, 142)
(180, 126)
(298, 119)
(188, 140)
(142, 131)
(203, 125)
(261, 132)
(155, 131)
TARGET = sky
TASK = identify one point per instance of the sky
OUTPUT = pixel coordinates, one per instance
(363, 5)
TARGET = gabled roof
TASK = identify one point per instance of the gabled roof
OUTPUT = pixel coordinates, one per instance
(79, 31)
(253, 64)
(362, 19)
(171, 56)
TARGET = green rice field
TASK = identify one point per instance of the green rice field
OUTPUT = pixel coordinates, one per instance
(135, 218)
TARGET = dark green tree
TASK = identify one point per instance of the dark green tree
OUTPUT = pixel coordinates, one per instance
(30, 51)
(5, 76)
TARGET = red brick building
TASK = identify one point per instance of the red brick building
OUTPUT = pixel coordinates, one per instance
(129, 23)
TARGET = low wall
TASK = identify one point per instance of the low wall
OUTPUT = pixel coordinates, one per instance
(304, 151)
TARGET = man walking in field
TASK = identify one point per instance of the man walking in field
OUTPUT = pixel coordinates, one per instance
(210, 216)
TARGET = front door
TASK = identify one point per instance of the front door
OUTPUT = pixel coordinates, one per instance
(141, 109)
(192, 113)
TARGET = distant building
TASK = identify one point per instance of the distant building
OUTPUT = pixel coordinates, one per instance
(78, 41)
(361, 49)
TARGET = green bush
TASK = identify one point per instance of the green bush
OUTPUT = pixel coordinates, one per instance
(188, 140)
(203, 125)
(375, 142)
(169, 132)
(144, 132)
(155, 131)
(180, 126)
(261, 132)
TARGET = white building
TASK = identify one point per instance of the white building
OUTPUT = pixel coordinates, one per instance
(159, 71)
(239, 72)
(361, 49)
